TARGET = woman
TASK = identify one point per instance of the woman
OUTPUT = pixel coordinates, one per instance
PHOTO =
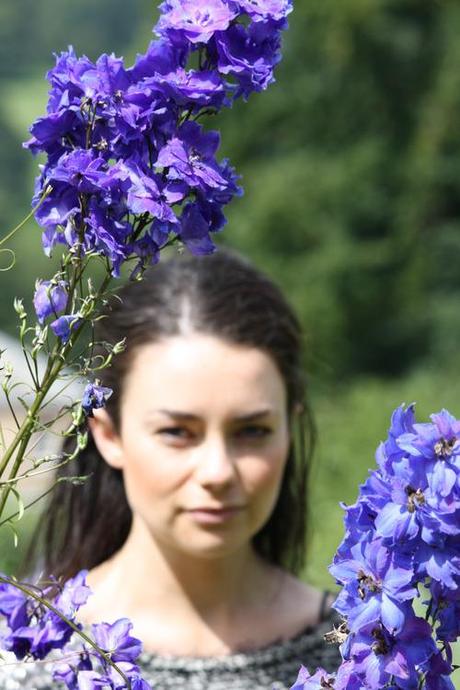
(193, 522)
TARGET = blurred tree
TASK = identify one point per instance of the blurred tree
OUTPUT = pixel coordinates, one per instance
(352, 172)
(351, 165)
(31, 31)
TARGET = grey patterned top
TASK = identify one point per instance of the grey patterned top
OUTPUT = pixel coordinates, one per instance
(274, 667)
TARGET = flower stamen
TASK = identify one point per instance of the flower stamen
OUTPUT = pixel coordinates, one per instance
(415, 498)
(444, 448)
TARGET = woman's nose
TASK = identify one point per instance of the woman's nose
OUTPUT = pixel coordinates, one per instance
(215, 466)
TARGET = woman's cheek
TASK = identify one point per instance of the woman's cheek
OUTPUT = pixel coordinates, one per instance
(263, 479)
(153, 472)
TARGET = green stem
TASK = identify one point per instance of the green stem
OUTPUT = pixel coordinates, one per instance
(46, 193)
(53, 369)
(22, 438)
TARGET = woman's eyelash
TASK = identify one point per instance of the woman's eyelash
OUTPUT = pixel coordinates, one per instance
(254, 431)
(177, 431)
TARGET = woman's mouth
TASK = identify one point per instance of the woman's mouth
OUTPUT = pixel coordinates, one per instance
(214, 516)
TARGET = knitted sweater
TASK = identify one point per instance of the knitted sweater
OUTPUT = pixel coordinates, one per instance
(273, 667)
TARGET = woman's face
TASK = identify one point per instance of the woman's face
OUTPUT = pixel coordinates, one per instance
(203, 442)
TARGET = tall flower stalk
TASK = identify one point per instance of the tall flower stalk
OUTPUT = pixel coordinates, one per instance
(129, 170)
(399, 564)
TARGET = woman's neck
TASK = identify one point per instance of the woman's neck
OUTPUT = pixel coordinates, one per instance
(156, 586)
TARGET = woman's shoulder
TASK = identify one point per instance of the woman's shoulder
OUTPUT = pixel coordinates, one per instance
(300, 606)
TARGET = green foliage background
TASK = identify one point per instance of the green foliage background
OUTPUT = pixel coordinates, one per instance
(351, 170)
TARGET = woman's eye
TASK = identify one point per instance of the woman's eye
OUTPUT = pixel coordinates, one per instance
(253, 432)
(176, 432)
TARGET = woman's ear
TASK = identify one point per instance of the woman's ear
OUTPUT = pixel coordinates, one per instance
(106, 438)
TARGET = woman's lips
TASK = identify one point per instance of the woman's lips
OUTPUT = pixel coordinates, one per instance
(213, 516)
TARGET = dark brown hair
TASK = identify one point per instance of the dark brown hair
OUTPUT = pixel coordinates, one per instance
(222, 295)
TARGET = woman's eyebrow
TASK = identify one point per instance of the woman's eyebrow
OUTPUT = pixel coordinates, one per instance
(252, 416)
(189, 417)
(177, 414)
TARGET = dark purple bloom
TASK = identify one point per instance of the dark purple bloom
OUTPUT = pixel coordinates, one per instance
(13, 605)
(54, 214)
(189, 156)
(64, 325)
(160, 58)
(194, 231)
(389, 452)
(43, 630)
(196, 20)
(49, 298)
(446, 604)
(437, 677)
(266, 9)
(440, 561)
(68, 673)
(108, 77)
(147, 193)
(249, 55)
(377, 583)
(121, 149)
(94, 397)
(51, 128)
(80, 169)
(378, 656)
(199, 88)
(413, 510)
(38, 640)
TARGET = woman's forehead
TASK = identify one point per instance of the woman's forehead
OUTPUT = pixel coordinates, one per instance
(196, 368)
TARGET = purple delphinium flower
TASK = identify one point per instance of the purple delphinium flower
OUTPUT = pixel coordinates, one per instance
(13, 605)
(34, 628)
(64, 325)
(445, 603)
(202, 88)
(319, 680)
(189, 157)
(249, 55)
(160, 58)
(377, 655)
(74, 594)
(439, 446)
(49, 298)
(94, 397)
(84, 170)
(104, 121)
(266, 9)
(389, 452)
(194, 231)
(195, 20)
(116, 641)
(402, 535)
(377, 583)
(71, 673)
